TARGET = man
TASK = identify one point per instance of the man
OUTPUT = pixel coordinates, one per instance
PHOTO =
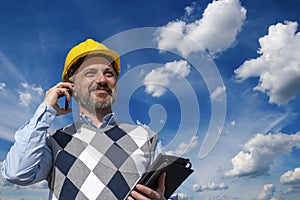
(95, 157)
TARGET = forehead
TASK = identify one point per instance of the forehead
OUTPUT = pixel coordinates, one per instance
(95, 62)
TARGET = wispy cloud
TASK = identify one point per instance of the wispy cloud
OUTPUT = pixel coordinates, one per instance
(189, 9)
(12, 112)
(276, 122)
(2, 86)
(215, 31)
(218, 94)
(160, 78)
(279, 58)
(184, 148)
(268, 192)
(30, 91)
(259, 152)
(25, 98)
(28, 97)
(8, 68)
(209, 187)
(233, 123)
(183, 196)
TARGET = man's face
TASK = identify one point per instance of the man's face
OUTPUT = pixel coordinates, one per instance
(96, 84)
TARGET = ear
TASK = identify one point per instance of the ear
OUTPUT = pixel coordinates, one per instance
(74, 95)
(72, 80)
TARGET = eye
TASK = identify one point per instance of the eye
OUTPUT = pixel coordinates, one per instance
(89, 73)
(109, 73)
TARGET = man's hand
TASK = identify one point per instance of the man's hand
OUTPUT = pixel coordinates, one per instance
(56, 92)
(150, 194)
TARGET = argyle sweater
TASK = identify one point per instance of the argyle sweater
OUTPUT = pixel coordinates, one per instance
(91, 163)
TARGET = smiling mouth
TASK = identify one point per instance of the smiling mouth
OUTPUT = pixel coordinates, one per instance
(103, 91)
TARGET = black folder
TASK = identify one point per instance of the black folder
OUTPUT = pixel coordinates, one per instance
(177, 170)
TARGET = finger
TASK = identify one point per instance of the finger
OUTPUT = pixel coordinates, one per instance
(161, 183)
(130, 198)
(56, 92)
(148, 191)
(64, 84)
(69, 86)
(63, 92)
(135, 195)
(61, 111)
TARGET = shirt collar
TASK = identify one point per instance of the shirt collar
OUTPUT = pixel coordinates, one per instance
(108, 119)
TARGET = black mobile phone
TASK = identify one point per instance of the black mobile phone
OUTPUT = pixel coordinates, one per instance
(66, 101)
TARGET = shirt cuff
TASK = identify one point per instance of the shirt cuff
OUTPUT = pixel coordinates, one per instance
(43, 116)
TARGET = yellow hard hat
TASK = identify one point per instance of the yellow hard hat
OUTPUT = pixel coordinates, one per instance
(86, 48)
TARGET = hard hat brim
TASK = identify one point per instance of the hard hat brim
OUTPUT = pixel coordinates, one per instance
(107, 52)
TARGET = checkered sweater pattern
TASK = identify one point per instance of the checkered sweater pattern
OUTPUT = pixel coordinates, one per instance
(90, 163)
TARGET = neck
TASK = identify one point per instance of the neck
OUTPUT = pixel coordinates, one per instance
(97, 114)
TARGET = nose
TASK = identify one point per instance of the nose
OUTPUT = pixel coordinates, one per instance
(100, 78)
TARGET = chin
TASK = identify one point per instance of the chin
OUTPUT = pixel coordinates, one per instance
(102, 99)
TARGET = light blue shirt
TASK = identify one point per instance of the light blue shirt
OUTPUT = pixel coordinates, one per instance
(30, 159)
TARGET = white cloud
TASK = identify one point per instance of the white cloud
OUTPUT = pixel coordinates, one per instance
(29, 92)
(278, 66)
(158, 79)
(291, 177)
(28, 97)
(292, 189)
(218, 94)
(233, 123)
(183, 196)
(39, 91)
(215, 31)
(2, 86)
(184, 148)
(267, 193)
(259, 152)
(189, 10)
(209, 187)
(25, 98)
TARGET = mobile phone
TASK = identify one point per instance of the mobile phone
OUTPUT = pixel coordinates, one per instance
(66, 101)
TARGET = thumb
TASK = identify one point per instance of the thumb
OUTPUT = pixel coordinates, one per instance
(161, 183)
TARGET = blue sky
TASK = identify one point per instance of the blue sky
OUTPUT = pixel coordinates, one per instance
(218, 80)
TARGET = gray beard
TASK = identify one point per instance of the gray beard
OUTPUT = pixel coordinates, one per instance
(91, 105)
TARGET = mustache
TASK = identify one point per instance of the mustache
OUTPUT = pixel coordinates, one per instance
(101, 86)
